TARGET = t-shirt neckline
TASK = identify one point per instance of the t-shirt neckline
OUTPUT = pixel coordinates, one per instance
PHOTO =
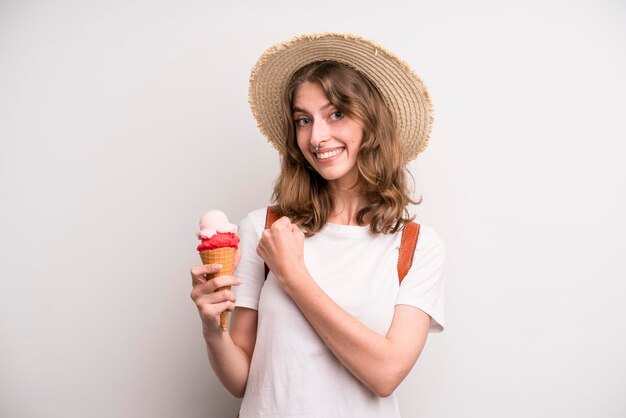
(343, 230)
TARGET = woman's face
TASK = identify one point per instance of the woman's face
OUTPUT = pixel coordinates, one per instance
(319, 123)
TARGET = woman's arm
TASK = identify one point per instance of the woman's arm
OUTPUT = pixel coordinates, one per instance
(380, 362)
(229, 352)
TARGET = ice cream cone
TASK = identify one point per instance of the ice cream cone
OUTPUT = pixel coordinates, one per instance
(226, 257)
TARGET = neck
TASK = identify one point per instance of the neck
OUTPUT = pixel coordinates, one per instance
(347, 204)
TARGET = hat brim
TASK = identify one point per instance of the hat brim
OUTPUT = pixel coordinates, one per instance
(402, 90)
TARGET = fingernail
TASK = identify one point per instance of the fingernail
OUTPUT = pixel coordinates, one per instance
(219, 266)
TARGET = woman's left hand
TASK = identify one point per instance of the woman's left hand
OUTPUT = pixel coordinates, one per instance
(282, 248)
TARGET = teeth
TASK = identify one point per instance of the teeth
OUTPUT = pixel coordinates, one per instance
(329, 154)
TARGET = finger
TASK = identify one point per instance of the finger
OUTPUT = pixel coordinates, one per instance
(221, 281)
(200, 275)
(197, 275)
(199, 271)
(259, 251)
(205, 269)
(212, 268)
(282, 222)
(196, 271)
(202, 297)
(216, 309)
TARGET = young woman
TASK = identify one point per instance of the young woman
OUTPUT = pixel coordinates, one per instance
(332, 330)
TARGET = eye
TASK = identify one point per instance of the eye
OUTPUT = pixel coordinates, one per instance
(302, 121)
(336, 115)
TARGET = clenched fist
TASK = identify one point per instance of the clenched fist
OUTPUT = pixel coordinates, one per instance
(282, 248)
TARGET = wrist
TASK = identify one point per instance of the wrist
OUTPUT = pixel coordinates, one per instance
(294, 278)
(212, 335)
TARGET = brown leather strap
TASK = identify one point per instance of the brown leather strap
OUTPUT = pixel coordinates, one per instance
(272, 215)
(407, 248)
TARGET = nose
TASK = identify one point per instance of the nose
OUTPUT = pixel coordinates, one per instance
(320, 133)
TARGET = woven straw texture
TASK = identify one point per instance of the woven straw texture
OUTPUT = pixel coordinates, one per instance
(226, 257)
(402, 89)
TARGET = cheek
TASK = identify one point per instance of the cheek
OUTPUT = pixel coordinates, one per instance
(356, 138)
(300, 140)
(303, 145)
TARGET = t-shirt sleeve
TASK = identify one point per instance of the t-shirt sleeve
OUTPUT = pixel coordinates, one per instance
(423, 285)
(251, 270)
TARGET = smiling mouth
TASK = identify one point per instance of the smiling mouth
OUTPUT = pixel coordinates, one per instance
(329, 154)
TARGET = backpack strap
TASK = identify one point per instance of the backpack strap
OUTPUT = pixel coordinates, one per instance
(410, 234)
(272, 215)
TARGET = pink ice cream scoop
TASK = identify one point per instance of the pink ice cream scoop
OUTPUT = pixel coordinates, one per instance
(215, 221)
(216, 231)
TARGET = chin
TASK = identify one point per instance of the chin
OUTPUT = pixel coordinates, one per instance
(330, 175)
(335, 176)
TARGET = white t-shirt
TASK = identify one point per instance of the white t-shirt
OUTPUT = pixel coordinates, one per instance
(293, 373)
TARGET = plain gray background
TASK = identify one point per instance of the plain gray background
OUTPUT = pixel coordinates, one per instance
(122, 121)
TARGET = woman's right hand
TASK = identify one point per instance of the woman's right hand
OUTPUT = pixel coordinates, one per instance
(212, 303)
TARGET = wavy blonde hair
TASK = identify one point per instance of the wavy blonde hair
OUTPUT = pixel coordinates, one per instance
(304, 196)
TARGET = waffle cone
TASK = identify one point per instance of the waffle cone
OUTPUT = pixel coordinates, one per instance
(226, 257)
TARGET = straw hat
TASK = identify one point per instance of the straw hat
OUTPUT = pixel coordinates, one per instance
(402, 89)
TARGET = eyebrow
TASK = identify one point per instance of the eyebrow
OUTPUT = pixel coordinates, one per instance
(297, 109)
